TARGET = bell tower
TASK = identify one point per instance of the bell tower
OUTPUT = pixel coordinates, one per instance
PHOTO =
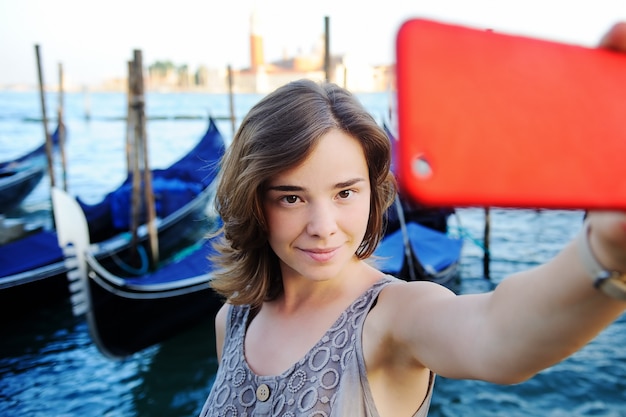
(256, 43)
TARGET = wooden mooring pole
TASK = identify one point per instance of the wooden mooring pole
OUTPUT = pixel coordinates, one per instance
(140, 157)
(132, 157)
(45, 119)
(60, 117)
(130, 122)
(147, 173)
(327, 48)
(87, 103)
(487, 237)
(231, 99)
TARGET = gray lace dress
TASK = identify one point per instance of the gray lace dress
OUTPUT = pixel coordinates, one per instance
(330, 380)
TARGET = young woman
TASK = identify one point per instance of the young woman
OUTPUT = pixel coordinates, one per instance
(312, 328)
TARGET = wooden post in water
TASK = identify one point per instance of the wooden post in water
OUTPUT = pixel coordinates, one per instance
(327, 48)
(87, 103)
(45, 119)
(130, 122)
(487, 237)
(132, 156)
(62, 128)
(141, 135)
(231, 99)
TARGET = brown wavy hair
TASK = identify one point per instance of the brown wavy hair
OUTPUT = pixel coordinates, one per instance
(278, 134)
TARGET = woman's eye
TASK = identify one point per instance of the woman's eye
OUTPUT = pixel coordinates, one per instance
(290, 199)
(345, 193)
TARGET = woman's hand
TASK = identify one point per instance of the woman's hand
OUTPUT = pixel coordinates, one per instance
(615, 38)
(608, 229)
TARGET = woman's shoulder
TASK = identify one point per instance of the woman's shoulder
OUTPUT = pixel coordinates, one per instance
(229, 320)
(222, 316)
(420, 286)
(399, 296)
(230, 312)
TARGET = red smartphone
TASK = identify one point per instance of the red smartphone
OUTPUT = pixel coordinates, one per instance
(490, 119)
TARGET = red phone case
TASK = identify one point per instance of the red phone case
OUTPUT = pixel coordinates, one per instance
(489, 119)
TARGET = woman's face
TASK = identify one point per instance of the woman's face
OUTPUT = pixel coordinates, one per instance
(317, 213)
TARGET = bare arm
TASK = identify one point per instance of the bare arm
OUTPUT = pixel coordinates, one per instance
(532, 320)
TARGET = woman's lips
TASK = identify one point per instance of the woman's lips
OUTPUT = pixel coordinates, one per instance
(321, 255)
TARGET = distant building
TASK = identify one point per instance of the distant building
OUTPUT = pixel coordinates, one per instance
(263, 77)
(257, 59)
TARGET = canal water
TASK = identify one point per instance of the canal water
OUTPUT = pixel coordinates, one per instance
(50, 367)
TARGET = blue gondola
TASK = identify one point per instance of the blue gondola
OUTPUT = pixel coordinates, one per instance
(182, 194)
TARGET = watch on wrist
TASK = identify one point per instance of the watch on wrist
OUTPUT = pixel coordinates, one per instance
(612, 283)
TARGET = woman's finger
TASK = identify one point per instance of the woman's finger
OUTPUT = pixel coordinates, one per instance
(615, 38)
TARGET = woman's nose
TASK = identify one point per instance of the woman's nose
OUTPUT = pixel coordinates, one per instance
(322, 220)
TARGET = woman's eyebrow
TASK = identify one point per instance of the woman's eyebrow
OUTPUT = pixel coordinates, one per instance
(285, 188)
(349, 183)
(297, 188)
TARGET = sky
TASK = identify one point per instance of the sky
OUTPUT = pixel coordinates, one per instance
(93, 41)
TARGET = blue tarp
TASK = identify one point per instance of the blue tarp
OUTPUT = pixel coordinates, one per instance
(32, 252)
(189, 264)
(434, 250)
(197, 169)
(170, 194)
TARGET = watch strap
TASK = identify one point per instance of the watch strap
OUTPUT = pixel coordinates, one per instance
(612, 283)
